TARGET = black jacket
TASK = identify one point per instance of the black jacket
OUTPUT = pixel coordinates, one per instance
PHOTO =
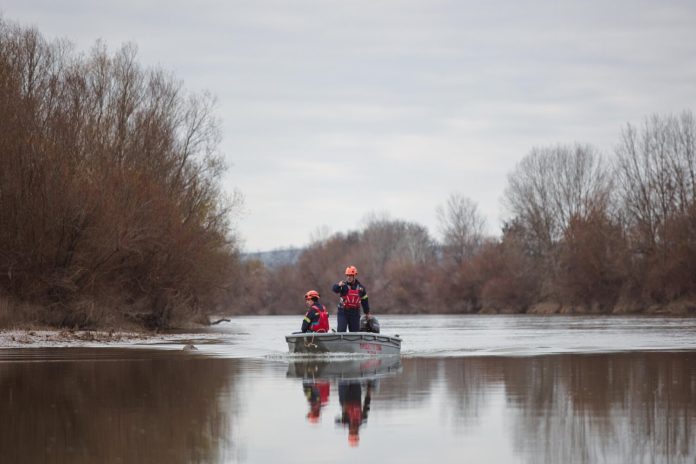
(343, 290)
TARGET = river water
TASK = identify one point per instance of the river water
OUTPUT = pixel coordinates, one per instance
(483, 389)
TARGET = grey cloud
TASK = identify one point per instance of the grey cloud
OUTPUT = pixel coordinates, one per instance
(396, 103)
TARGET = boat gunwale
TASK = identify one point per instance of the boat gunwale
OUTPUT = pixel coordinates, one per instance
(349, 336)
(392, 342)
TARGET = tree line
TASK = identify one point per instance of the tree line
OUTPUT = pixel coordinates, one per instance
(585, 233)
(110, 204)
(112, 213)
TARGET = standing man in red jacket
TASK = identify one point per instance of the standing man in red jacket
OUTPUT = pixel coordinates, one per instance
(353, 295)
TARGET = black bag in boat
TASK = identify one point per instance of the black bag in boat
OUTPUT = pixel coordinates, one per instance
(369, 325)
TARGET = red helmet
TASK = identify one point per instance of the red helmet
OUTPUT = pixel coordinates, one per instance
(351, 271)
(311, 294)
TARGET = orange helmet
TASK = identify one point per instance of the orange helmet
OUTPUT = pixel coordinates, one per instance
(313, 416)
(311, 294)
(353, 439)
(351, 271)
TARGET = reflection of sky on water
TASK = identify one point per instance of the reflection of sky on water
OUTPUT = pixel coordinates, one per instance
(142, 405)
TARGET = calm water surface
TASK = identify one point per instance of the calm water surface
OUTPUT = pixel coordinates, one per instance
(498, 389)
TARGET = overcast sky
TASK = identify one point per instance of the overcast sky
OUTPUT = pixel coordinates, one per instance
(331, 110)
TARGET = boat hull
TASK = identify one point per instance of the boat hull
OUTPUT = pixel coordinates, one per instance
(365, 343)
(364, 368)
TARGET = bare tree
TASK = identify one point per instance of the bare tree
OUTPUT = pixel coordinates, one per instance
(552, 185)
(462, 227)
(397, 256)
(656, 171)
(384, 240)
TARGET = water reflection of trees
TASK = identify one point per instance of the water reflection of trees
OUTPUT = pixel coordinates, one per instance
(413, 388)
(137, 410)
(637, 407)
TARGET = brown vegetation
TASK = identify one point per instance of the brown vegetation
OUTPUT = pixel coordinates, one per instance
(111, 212)
(583, 236)
(109, 201)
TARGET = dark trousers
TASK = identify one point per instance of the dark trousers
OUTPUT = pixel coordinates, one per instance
(348, 318)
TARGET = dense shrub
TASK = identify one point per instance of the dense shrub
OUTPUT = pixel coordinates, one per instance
(110, 205)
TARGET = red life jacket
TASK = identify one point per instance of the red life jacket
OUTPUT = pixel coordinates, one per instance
(321, 324)
(354, 412)
(351, 300)
(324, 389)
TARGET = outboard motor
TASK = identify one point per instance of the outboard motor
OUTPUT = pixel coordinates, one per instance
(369, 325)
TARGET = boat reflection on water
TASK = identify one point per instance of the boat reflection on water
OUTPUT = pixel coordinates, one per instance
(355, 380)
(345, 369)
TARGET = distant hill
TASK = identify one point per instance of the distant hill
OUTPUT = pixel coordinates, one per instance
(275, 258)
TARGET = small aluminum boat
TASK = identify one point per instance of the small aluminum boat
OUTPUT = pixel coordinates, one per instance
(366, 343)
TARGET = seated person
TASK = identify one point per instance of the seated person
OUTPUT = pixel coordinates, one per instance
(317, 318)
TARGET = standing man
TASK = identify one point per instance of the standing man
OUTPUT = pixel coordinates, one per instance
(352, 296)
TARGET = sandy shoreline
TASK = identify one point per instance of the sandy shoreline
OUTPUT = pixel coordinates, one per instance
(84, 338)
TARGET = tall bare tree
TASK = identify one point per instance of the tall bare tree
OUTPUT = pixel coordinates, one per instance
(462, 227)
(656, 172)
(551, 185)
